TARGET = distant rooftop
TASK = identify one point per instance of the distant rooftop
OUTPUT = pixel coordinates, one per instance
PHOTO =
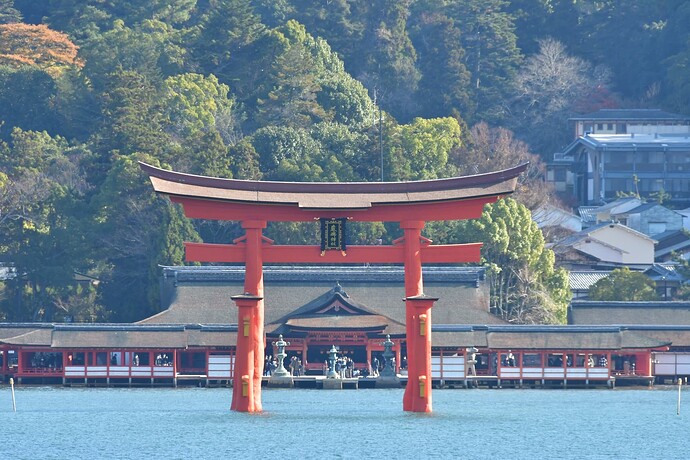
(632, 114)
(330, 274)
(583, 280)
(636, 140)
(588, 213)
(616, 203)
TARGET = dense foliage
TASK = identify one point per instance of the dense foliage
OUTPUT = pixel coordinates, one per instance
(526, 287)
(344, 90)
(624, 285)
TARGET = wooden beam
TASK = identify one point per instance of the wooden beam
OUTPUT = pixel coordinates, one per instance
(235, 253)
(435, 211)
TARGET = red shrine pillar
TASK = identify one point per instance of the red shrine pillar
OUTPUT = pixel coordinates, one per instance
(249, 355)
(417, 396)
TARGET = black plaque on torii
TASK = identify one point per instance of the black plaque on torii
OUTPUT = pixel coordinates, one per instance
(333, 234)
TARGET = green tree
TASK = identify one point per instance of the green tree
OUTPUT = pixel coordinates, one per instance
(89, 18)
(445, 81)
(244, 161)
(293, 99)
(345, 99)
(150, 49)
(137, 231)
(655, 30)
(525, 285)
(287, 154)
(420, 150)
(624, 285)
(274, 13)
(340, 151)
(491, 52)
(43, 194)
(8, 13)
(389, 58)
(168, 11)
(133, 119)
(677, 88)
(203, 153)
(196, 102)
(341, 22)
(81, 19)
(226, 28)
(327, 152)
(27, 96)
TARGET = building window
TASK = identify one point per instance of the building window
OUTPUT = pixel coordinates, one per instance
(617, 185)
(656, 157)
(679, 185)
(600, 126)
(609, 126)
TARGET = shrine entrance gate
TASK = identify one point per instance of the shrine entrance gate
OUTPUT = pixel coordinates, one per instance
(411, 204)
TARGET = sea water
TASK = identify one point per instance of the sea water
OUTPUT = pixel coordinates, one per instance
(196, 423)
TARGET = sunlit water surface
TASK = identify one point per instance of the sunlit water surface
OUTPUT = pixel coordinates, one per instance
(69, 423)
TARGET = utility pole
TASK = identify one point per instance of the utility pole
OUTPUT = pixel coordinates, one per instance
(381, 139)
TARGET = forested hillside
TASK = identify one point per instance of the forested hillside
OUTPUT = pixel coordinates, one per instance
(296, 90)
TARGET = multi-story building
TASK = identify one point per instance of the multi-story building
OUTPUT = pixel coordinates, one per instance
(642, 152)
(597, 168)
(630, 121)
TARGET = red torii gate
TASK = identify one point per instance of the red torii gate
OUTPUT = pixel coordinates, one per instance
(254, 203)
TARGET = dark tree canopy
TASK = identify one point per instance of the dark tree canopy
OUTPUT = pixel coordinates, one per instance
(624, 285)
(303, 90)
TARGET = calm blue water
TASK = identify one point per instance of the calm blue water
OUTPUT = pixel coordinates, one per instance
(61, 423)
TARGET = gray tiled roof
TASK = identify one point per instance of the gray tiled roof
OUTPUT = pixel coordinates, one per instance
(331, 274)
(203, 296)
(626, 313)
(631, 114)
(38, 337)
(615, 203)
(534, 337)
(541, 337)
(671, 240)
(8, 330)
(583, 280)
(631, 141)
(588, 213)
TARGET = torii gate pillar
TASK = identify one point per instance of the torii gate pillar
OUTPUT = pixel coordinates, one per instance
(249, 354)
(417, 396)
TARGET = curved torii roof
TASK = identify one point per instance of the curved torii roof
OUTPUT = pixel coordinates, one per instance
(315, 198)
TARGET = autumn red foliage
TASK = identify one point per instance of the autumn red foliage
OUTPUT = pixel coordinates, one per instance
(37, 45)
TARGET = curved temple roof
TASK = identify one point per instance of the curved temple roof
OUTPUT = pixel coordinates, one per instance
(334, 195)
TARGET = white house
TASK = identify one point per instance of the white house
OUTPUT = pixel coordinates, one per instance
(606, 245)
